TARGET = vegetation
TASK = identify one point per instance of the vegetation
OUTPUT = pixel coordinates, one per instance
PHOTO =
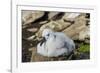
(84, 48)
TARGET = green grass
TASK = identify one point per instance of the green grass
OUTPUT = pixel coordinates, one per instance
(84, 48)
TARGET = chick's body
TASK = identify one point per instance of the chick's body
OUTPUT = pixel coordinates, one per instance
(57, 44)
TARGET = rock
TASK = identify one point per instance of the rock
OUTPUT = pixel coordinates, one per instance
(71, 16)
(54, 25)
(30, 16)
(43, 22)
(55, 15)
(26, 34)
(32, 29)
(74, 30)
(84, 35)
(52, 14)
(37, 57)
(31, 38)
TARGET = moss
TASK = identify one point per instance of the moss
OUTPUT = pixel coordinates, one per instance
(84, 48)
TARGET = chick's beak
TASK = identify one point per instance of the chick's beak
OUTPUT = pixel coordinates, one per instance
(43, 40)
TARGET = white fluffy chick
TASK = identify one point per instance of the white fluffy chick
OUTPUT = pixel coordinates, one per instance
(55, 44)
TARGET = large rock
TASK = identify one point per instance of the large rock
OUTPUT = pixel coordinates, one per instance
(29, 16)
(74, 30)
(77, 30)
(71, 16)
(54, 25)
(84, 35)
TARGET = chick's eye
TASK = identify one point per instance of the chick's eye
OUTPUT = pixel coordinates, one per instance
(47, 34)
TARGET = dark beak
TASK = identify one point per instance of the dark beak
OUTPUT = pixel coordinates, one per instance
(43, 40)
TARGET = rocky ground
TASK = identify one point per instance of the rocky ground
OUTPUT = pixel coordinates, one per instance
(74, 25)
